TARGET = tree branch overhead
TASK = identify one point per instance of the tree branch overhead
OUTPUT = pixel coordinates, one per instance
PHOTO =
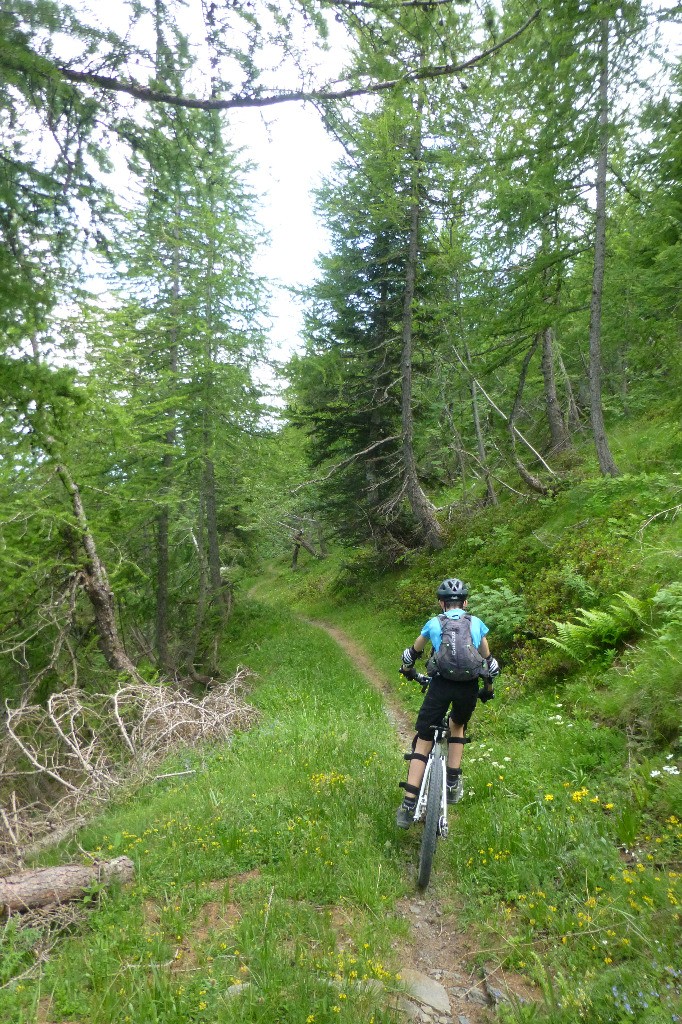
(150, 95)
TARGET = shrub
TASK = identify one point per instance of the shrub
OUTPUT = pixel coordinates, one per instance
(503, 611)
(647, 696)
(597, 629)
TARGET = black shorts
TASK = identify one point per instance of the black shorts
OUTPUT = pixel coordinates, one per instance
(459, 697)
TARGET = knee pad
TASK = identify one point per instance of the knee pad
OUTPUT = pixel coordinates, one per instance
(416, 757)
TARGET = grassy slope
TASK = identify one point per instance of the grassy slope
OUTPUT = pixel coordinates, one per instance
(306, 800)
(305, 803)
(573, 762)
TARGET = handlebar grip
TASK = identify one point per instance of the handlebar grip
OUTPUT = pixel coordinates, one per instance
(418, 677)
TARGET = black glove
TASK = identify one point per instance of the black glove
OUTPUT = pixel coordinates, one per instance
(493, 667)
(485, 695)
(410, 656)
(408, 671)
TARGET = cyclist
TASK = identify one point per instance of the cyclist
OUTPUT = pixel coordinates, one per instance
(442, 694)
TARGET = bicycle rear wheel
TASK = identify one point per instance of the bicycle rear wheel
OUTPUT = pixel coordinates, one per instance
(430, 833)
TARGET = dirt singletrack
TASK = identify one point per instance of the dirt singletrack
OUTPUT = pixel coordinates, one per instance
(441, 960)
(397, 716)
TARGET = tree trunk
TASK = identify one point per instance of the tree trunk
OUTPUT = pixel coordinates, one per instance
(201, 600)
(96, 585)
(212, 526)
(573, 411)
(163, 518)
(44, 886)
(555, 419)
(606, 462)
(491, 495)
(423, 510)
(162, 574)
(533, 482)
(301, 542)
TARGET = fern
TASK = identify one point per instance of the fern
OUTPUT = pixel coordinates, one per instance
(668, 602)
(596, 629)
(640, 609)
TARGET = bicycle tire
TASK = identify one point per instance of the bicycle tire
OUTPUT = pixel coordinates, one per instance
(430, 833)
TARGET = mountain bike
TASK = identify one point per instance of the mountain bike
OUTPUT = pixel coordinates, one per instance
(432, 800)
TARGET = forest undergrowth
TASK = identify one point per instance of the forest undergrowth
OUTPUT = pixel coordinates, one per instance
(275, 866)
(567, 846)
(278, 865)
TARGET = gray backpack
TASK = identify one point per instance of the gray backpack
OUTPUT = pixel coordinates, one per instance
(456, 660)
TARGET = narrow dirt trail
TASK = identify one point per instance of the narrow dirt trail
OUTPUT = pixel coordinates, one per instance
(397, 716)
(440, 959)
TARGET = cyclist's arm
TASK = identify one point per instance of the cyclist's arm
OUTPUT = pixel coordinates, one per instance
(484, 651)
(419, 644)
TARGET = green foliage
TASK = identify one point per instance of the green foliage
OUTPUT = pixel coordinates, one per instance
(643, 693)
(16, 946)
(503, 611)
(222, 897)
(597, 629)
(667, 603)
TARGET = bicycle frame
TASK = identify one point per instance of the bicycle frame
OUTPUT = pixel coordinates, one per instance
(440, 750)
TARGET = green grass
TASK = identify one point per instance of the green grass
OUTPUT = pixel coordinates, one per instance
(566, 854)
(279, 862)
(244, 871)
(535, 860)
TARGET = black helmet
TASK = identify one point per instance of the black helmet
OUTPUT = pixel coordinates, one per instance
(452, 590)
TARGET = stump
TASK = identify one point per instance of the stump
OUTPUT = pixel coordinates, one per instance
(42, 886)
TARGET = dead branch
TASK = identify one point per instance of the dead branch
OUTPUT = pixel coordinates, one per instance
(497, 409)
(344, 462)
(529, 478)
(12, 833)
(174, 775)
(85, 745)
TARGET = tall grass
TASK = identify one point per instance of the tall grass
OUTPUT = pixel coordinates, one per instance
(275, 865)
(566, 853)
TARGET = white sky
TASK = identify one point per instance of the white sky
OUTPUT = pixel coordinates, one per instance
(288, 146)
(292, 153)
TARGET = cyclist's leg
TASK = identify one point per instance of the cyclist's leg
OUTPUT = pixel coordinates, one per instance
(417, 766)
(455, 750)
(463, 705)
(434, 707)
(462, 709)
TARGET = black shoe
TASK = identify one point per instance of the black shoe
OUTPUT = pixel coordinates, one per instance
(404, 816)
(455, 791)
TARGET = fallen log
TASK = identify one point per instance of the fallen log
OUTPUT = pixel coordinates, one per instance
(41, 886)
